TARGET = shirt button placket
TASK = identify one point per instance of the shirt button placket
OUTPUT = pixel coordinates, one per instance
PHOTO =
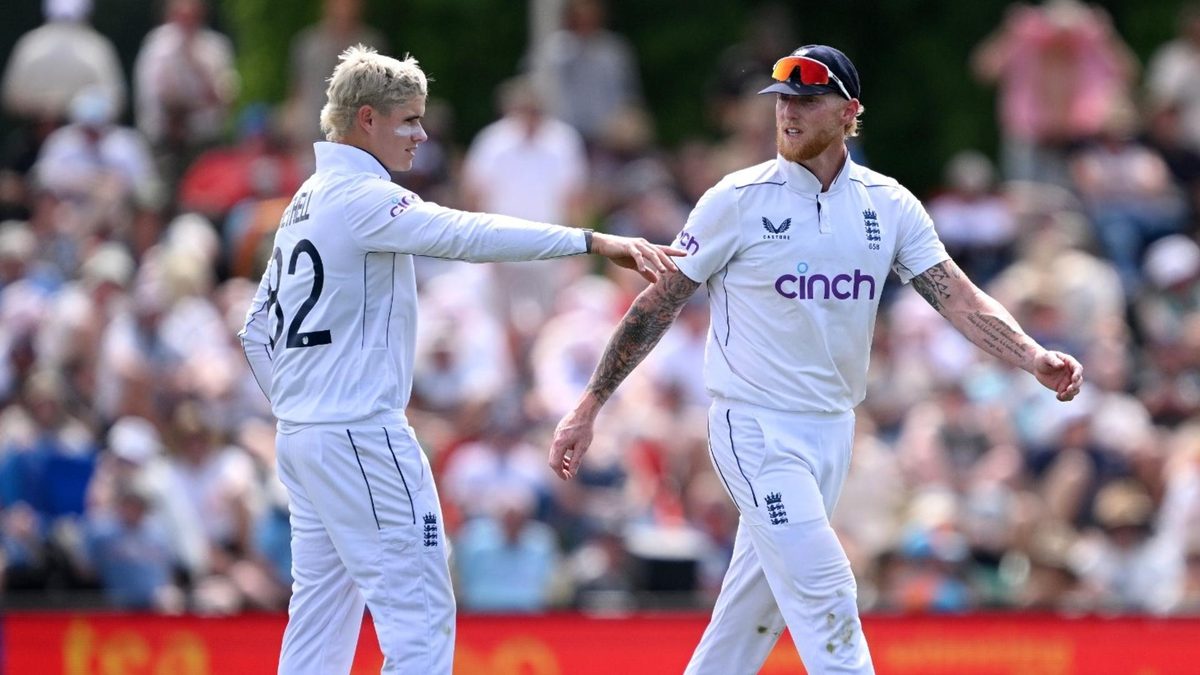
(823, 225)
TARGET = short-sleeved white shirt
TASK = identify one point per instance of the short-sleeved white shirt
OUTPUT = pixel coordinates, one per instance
(795, 276)
(336, 310)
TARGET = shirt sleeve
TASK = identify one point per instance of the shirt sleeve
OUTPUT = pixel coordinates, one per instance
(918, 246)
(711, 235)
(255, 337)
(390, 218)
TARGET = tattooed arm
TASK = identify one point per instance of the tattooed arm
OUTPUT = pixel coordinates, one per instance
(644, 324)
(985, 322)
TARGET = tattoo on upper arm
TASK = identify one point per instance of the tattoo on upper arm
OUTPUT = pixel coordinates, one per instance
(641, 329)
(934, 283)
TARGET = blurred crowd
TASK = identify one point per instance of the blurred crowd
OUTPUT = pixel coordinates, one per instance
(136, 451)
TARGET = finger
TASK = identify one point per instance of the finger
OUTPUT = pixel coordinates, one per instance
(674, 252)
(640, 259)
(575, 460)
(555, 460)
(659, 260)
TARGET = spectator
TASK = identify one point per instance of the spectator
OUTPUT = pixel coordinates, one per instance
(184, 83)
(53, 63)
(1173, 74)
(100, 170)
(1172, 296)
(506, 561)
(1131, 568)
(741, 68)
(588, 73)
(1127, 193)
(462, 361)
(219, 488)
(1164, 135)
(1059, 66)
(602, 575)
(501, 462)
(44, 472)
(131, 555)
(529, 165)
(975, 222)
(1051, 584)
(24, 301)
(257, 165)
(314, 53)
(526, 148)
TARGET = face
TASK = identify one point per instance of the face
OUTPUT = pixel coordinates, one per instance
(806, 126)
(394, 137)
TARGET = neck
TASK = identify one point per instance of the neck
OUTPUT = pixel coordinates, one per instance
(826, 166)
(359, 141)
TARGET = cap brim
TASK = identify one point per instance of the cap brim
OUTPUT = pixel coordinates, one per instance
(792, 89)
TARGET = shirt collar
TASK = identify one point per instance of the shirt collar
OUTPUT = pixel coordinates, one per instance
(802, 180)
(348, 158)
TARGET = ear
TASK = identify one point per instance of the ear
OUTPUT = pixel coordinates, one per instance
(850, 111)
(365, 117)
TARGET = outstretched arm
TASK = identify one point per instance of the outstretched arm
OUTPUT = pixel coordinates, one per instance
(985, 322)
(643, 326)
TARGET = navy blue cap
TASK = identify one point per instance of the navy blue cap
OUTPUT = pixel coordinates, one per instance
(839, 66)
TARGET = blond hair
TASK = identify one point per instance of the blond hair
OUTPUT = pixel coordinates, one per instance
(366, 77)
(851, 129)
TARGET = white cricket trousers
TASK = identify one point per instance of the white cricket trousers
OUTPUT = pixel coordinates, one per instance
(784, 471)
(366, 530)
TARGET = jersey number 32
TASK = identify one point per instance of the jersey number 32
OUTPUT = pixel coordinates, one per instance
(295, 337)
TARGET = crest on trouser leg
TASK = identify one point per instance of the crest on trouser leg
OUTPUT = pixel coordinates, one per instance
(775, 508)
(431, 530)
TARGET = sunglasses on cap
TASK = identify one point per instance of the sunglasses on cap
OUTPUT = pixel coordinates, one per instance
(812, 72)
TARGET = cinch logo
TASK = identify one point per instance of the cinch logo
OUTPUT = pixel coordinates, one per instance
(401, 203)
(805, 286)
(689, 243)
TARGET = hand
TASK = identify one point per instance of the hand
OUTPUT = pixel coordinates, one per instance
(638, 254)
(1060, 373)
(571, 441)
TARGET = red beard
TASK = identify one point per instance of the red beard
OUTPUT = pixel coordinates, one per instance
(807, 146)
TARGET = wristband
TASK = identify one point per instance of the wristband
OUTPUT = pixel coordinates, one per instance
(587, 241)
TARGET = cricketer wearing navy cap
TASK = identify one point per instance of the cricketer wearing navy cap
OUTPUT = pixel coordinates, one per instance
(794, 252)
(813, 70)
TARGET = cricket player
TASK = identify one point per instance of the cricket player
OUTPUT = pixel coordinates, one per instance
(794, 252)
(329, 337)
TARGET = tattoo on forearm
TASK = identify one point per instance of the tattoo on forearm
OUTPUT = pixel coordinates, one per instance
(641, 329)
(934, 283)
(1002, 339)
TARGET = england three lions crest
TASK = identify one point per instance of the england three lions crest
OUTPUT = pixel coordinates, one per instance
(871, 227)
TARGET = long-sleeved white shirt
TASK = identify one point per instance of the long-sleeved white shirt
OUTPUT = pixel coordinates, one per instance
(330, 332)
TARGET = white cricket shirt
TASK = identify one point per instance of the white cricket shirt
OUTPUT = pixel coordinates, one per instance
(794, 279)
(330, 334)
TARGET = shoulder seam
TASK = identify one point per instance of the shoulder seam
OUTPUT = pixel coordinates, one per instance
(870, 185)
(765, 182)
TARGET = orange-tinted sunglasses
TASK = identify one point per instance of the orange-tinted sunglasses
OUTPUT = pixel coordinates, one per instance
(812, 72)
